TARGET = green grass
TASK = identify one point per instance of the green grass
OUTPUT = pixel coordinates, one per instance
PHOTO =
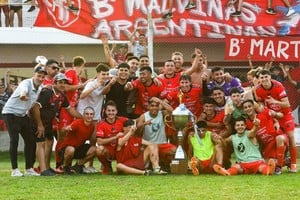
(96, 186)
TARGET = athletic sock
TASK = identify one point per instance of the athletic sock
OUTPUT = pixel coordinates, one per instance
(280, 155)
(293, 153)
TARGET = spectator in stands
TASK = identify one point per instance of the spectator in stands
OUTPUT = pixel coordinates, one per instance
(4, 96)
(269, 9)
(169, 14)
(294, 83)
(138, 47)
(16, 7)
(5, 8)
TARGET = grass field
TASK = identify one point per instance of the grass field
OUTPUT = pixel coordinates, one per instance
(97, 186)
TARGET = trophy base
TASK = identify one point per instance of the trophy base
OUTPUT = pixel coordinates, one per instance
(179, 166)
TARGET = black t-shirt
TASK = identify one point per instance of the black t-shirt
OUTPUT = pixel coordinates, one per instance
(120, 97)
(51, 105)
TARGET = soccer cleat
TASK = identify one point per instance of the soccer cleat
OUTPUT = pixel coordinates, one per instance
(293, 168)
(31, 172)
(271, 11)
(168, 15)
(236, 14)
(193, 163)
(28, 1)
(290, 12)
(278, 170)
(73, 8)
(16, 173)
(32, 8)
(190, 5)
(271, 167)
(220, 170)
(48, 172)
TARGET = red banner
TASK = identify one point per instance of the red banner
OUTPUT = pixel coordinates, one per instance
(210, 18)
(262, 48)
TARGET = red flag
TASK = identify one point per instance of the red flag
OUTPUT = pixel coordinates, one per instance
(209, 19)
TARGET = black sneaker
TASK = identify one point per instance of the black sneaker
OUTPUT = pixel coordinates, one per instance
(67, 170)
(190, 6)
(271, 11)
(32, 8)
(148, 172)
(73, 8)
(236, 14)
(78, 168)
(47, 172)
(168, 15)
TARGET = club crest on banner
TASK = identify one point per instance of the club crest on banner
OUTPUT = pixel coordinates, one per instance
(61, 15)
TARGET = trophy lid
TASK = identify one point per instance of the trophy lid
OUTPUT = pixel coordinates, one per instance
(181, 110)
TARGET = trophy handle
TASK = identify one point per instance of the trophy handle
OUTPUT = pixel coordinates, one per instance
(168, 121)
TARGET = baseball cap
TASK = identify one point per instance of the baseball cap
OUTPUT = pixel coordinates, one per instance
(59, 77)
(40, 69)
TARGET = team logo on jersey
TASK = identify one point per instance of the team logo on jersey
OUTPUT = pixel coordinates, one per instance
(241, 147)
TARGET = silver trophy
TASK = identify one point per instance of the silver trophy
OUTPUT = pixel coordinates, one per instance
(181, 117)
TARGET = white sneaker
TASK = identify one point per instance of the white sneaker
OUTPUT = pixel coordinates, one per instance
(30, 172)
(89, 170)
(290, 12)
(16, 173)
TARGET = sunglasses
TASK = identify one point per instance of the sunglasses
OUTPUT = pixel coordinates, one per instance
(54, 67)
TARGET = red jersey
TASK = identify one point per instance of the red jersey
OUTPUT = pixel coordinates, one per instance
(79, 134)
(276, 91)
(48, 81)
(73, 79)
(266, 132)
(130, 150)
(144, 94)
(107, 130)
(170, 83)
(191, 99)
(219, 117)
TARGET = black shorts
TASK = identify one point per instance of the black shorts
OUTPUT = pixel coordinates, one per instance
(15, 8)
(80, 152)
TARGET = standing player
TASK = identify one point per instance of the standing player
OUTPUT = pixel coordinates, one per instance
(272, 93)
